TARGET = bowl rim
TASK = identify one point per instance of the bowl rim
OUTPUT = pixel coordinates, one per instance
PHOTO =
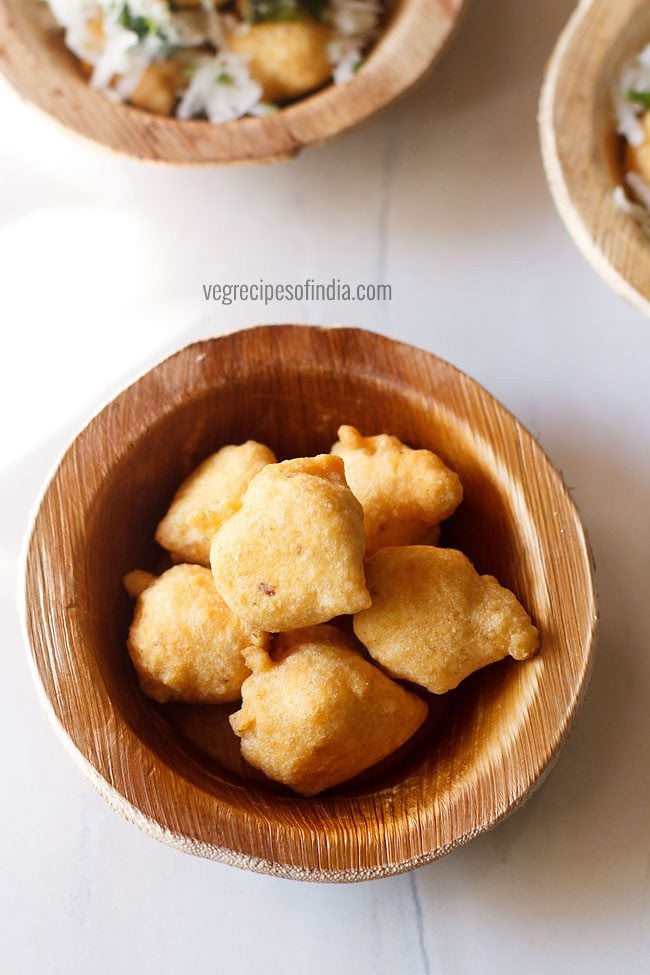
(402, 56)
(576, 170)
(115, 797)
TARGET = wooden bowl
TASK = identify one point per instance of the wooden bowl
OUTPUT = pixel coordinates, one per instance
(176, 770)
(36, 62)
(580, 145)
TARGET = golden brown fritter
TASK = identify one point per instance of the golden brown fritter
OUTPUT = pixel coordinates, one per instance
(209, 495)
(137, 581)
(637, 158)
(292, 556)
(185, 643)
(287, 58)
(434, 620)
(160, 86)
(404, 492)
(317, 714)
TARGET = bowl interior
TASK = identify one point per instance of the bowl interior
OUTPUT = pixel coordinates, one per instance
(289, 388)
(300, 419)
(36, 61)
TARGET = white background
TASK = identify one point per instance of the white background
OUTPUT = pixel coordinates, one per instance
(101, 266)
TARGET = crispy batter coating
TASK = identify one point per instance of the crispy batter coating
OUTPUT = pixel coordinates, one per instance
(137, 581)
(185, 643)
(287, 58)
(434, 620)
(317, 714)
(404, 492)
(637, 158)
(292, 556)
(209, 495)
(160, 86)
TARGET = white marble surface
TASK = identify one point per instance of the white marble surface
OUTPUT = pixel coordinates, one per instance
(101, 266)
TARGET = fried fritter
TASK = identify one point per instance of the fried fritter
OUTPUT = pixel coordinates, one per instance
(292, 556)
(287, 58)
(184, 642)
(434, 620)
(637, 158)
(160, 86)
(209, 496)
(317, 714)
(404, 492)
(137, 581)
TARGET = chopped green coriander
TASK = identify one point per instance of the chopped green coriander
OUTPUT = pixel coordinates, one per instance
(357, 64)
(142, 26)
(225, 79)
(643, 97)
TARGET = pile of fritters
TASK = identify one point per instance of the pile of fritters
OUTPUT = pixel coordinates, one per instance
(293, 546)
